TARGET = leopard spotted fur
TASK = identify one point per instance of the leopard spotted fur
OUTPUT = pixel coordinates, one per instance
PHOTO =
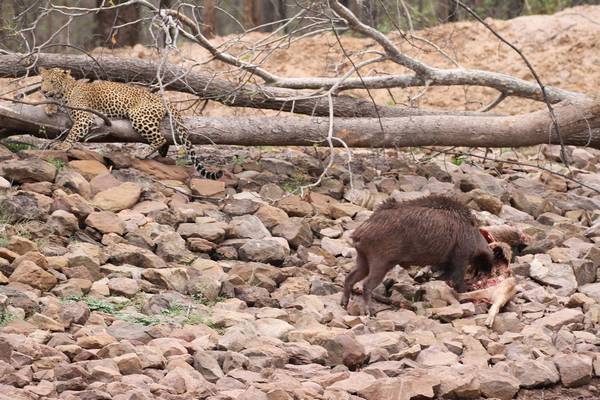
(143, 108)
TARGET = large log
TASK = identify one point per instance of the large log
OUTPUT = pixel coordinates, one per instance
(207, 86)
(579, 125)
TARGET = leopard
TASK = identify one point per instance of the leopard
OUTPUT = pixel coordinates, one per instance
(143, 108)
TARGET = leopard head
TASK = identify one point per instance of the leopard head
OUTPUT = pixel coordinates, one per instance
(56, 82)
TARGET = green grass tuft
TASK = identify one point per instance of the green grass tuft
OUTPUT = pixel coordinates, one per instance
(58, 164)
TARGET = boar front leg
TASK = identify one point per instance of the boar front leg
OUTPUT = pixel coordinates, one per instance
(457, 272)
(356, 275)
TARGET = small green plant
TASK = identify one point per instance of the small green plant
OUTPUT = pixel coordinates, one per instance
(175, 309)
(197, 319)
(182, 162)
(94, 304)
(3, 241)
(458, 160)
(200, 298)
(17, 146)
(58, 164)
(238, 160)
(146, 320)
(6, 317)
(294, 182)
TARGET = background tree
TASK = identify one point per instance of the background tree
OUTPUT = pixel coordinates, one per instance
(112, 28)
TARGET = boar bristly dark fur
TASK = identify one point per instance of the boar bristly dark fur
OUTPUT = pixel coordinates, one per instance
(432, 230)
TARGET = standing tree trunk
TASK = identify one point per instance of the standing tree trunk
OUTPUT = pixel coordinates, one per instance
(106, 35)
(447, 10)
(249, 11)
(209, 19)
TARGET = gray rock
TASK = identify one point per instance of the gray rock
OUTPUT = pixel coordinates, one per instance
(592, 290)
(535, 373)
(558, 319)
(335, 247)
(63, 223)
(584, 270)
(31, 170)
(213, 232)
(296, 231)
(72, 181)
(277, 166)
(268, 250)
(305, 353)
(575, 369)
(498, 384)
(559, 276)
(247, 226)
(170, 246)
(240, 207)
(208, 366)
(120, 253)
(434, 356)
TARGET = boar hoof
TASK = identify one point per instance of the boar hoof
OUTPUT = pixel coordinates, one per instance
(344, 303)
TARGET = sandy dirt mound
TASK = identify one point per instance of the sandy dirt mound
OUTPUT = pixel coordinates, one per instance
(561, 47)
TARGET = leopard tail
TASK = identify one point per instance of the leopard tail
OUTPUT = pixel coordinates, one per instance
(183, 139)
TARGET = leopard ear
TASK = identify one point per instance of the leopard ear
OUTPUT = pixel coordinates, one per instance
(42, 70)
(66, 72)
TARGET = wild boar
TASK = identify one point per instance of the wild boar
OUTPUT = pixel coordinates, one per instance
(432, 230)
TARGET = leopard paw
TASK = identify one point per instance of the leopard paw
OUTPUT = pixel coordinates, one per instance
(51, 109)
(62, 146)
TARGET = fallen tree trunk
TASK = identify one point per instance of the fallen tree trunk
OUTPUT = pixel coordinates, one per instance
(203, 85)
(579, 125)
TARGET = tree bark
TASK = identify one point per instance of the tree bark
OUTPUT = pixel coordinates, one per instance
(201, 84)
(579, 125)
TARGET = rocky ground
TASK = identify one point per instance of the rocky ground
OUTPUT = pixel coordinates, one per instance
(122, 279)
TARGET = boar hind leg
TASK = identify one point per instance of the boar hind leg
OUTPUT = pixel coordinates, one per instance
(356, 275)
(376, 274)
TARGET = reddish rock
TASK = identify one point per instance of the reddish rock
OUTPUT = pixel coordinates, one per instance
(88, 168)
(207, 187)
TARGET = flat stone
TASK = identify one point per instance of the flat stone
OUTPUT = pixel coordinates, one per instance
(88, 168)
(271, 216)
(72, 181)
(106, 222)
(535, 373)
(339, 210)
(118, 198)
(592, 290)
(268, 250)
(559, 276)
(31, 170)
(436, 356)
(29, 273)
(417, 385)
(247, 226)
(497, 384)
(294, 206)
(296, 231)
(207, 187)
(558, 319)
(575, 369)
